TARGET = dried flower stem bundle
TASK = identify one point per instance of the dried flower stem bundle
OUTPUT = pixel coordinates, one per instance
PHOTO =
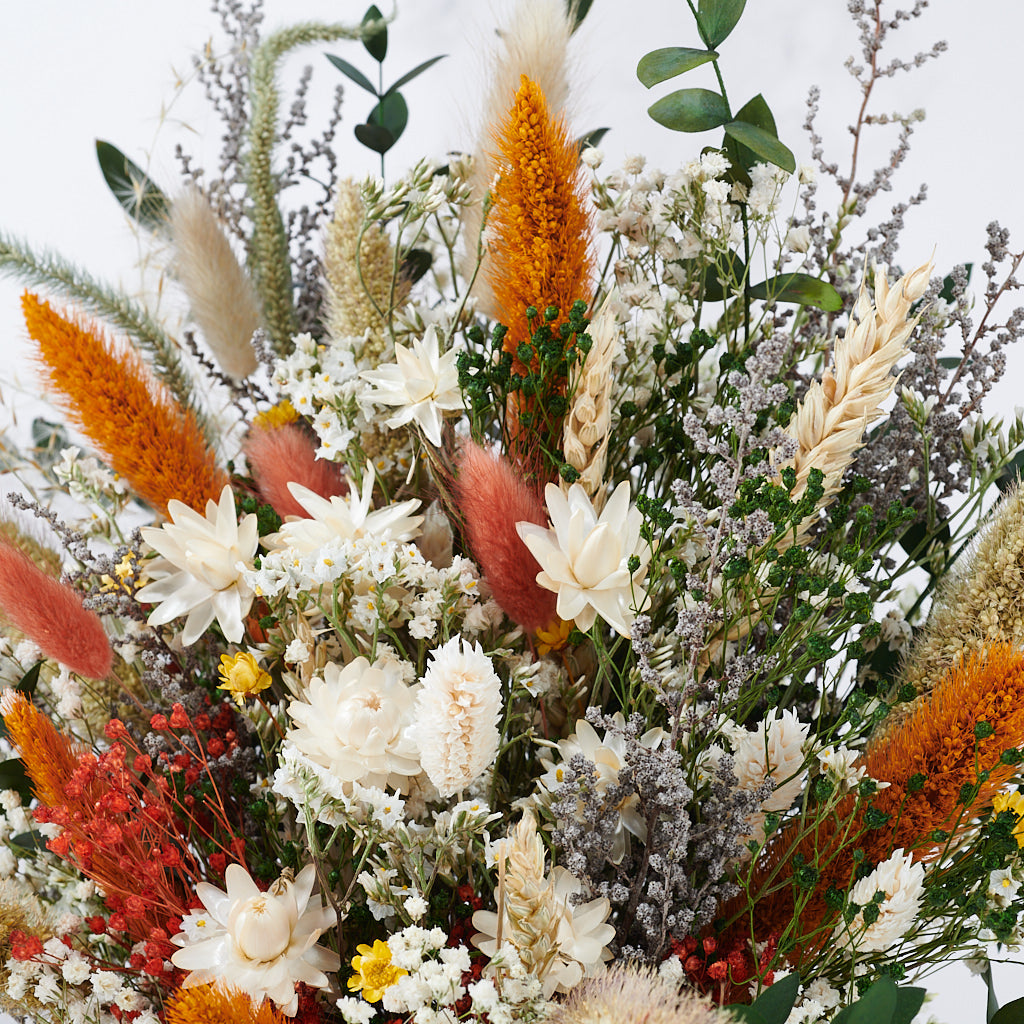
(220, 294)
(140, 430)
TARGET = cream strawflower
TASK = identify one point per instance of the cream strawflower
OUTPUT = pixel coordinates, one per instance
(348, 518)
(259, 942)
(902, 882)
(354, 722)
(424, 383)
(457, 713)
(774, 750)
(209, 553)
(584, 557)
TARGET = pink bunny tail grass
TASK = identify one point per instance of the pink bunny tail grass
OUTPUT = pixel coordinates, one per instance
(51, 615)
(492, 497)
(284, 454)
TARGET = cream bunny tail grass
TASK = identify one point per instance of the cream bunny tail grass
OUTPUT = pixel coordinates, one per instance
(534, 44)
(221, 295)
(830, 421)
(585, 433)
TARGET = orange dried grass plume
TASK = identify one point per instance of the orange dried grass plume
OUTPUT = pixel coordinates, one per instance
(212, 1004)
(539, 227)
(106, 391)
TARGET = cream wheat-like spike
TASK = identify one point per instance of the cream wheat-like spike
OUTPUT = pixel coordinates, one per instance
(359, 273)
(585, 431)
(221, 295)
(829, 424)
(535, 44)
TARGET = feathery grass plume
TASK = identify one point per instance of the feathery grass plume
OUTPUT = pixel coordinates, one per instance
(829, 423)
(269, 260)
(281, 455)
(142, 433)
(536, 44)
(216, 1004)
(220, 294)
(49, 271)
(585, 431)
(635, 993)
(942, 770)
(51, 614)
(491, 497)
(359, 272)
(42, 556)
(540, 230)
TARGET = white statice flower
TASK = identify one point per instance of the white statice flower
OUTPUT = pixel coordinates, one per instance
(345, 518)
(259, 942)
(902, 882)
(200, 571)
(774, 750)
(584, 557)
(608, 755)
(457, 713)
(353, 722)
(423, 383)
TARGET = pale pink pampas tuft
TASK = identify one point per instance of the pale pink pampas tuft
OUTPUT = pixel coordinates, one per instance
(492, 497)
(282, 455)
(50, 614)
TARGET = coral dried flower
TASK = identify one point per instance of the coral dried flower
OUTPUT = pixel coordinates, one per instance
(50, 613)
(219, 1004)
(136, 425)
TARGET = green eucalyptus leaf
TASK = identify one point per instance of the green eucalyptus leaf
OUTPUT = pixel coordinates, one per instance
(377, 42)
(591, 139)
(1011, 472)
(762, 144)
(33, 840)
(660, 65)
(1009, 1013)
(30, 680)
(137, 193)
(415, 263)
(374, 137)
(690, 110)
(949, 362)
(876, 1006)
(14, 776)
(908, 1002)
(353, 74)
(801, 289)
(391, 113)
(745, 1014)
(578, 10)
(410, 75)
(756, 112)
(773, 1005)
(718, 18)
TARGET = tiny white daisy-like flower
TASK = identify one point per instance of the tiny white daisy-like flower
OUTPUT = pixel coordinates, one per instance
(200, 572)
(259, 942)
(422, 382)
(585, 557)
(457, 713)
(1002, 886)
(902, 882)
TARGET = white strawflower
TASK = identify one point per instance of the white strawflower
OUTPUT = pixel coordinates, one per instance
(349, 518)
(354, 723)
(209, 553)
(902, 882)
(259, 942)
(773, 750)
(457, 713)
(422, 382)
(584, 557)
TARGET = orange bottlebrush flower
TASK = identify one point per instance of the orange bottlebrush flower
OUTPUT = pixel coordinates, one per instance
(50, 614)
(213, 1004)
(491, 497)
(280, 455)
(136, 425)
(539, 227)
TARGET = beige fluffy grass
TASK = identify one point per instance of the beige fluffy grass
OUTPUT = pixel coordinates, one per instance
(221, 295)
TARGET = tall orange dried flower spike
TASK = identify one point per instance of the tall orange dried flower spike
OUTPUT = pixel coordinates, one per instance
(539, 229)
(138, 427)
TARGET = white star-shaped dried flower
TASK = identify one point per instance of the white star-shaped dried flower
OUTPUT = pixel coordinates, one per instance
(584, 557)
(209, 553)
(348, 518)
(259, 942)
(422, 382)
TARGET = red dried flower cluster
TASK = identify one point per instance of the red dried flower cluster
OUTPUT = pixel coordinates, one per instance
(725, 968)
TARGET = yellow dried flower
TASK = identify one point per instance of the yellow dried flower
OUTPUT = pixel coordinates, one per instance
(242, 676)
(375, 973)
(1012, 802)
(276, 416)
(555, 636)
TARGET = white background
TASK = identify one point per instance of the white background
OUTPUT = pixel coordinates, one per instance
(71, 72)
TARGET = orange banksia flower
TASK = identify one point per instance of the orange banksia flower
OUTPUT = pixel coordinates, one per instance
(214, 1004)
(50, 613)
(137, 426)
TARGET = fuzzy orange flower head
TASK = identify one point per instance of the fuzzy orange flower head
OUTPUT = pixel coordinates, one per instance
(217, 1004)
